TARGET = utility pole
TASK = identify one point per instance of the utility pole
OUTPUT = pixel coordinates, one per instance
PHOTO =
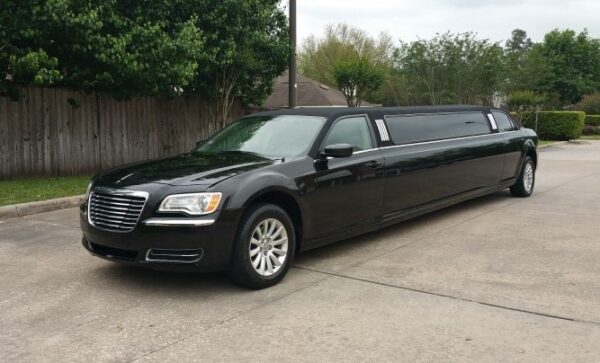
(292, 65)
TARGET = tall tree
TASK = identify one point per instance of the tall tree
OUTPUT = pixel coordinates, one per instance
(526, 68)
(451, 68)
(519, 42)
(574, 63)
(341, 43)
(355, 78)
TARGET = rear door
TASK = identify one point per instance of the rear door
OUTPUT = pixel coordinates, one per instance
(512, 145)
(439, 155)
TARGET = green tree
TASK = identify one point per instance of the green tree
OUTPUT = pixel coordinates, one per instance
(108, 46)
(451, 68)
(355, 78)
(574, 63)
(519, 42)
(222, 49)
(523, 102)
(319, 55)
(245, 49)
(525, 67)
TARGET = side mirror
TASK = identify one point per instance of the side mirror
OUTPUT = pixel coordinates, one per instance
(338, 150)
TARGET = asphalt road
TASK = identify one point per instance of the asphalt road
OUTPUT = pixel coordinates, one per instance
(494, 279)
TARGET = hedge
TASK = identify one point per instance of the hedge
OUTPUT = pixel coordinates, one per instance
(592, 120)
(557, 125)
(591, 130)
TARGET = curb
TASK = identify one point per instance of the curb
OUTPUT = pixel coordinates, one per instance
(541, 147)
(27, 209)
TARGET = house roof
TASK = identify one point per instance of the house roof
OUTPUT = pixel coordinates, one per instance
(309, 93)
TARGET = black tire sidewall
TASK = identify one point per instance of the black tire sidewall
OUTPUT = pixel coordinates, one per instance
(242, 271)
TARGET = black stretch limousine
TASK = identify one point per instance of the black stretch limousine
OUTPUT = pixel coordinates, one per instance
(277, 183)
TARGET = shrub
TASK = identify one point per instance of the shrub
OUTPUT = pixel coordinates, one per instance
(591, 130)
(556, 125)
(593, 120)
(521, 102)
(590, 104)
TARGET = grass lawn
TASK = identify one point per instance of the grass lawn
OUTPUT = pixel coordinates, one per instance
(589, 137)
(31, 190)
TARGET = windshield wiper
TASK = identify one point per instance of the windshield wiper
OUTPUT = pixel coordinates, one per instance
(253, 153)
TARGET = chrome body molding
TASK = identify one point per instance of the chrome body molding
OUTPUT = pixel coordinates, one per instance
(123, 192)
(177, 222)
(465, 138)
(174, 256)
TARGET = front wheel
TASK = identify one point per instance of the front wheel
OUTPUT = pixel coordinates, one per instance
(524, 185)
(264, 247)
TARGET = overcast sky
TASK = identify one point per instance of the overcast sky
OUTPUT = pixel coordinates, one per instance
(412, 19)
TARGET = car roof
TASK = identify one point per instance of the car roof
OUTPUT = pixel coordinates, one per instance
(331, 112)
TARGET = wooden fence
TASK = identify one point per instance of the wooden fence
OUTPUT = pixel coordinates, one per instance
(62, 132)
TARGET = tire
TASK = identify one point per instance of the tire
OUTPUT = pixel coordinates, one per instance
(524, 186)
(265, 253)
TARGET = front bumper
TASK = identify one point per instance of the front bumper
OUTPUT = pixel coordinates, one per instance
(165, 244)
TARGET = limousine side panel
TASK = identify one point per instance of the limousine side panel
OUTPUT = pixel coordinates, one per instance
(421, 173)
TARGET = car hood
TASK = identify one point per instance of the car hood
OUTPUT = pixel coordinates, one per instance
(186, 169)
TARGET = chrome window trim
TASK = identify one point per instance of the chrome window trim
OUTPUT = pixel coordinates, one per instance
(117, 192)
(382, 128)
(515, 126)
(339, 119)
(365, 151)
(429, 142)
(443, 140)
(492, 121)
(386, 117)
(174, 222)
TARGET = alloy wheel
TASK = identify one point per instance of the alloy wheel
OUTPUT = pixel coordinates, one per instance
(528, 175)
(268, 246)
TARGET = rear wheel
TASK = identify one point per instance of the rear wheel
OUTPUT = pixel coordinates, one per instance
(264, 247)
(524, 185)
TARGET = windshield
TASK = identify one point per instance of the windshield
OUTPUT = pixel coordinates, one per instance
(277, 136)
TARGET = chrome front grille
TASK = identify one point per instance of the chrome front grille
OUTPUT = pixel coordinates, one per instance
(116, 210)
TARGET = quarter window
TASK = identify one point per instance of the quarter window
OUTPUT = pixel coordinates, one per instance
(353, 131)
(504, 123)
(428, 127)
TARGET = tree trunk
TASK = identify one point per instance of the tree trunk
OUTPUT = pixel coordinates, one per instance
(225, 82)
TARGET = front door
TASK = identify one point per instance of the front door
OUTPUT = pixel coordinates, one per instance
(347, 192)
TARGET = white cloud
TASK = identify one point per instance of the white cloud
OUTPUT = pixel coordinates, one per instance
(411, 19)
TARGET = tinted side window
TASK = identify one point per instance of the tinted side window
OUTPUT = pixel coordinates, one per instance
(427, 127)
(504, 123)
(353, 131)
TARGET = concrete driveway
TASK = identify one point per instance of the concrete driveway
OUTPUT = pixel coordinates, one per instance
(494, 279)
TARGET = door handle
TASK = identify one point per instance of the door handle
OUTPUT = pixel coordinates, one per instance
(374, 164)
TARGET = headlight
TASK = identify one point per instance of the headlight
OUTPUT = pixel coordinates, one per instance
(194, 203)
